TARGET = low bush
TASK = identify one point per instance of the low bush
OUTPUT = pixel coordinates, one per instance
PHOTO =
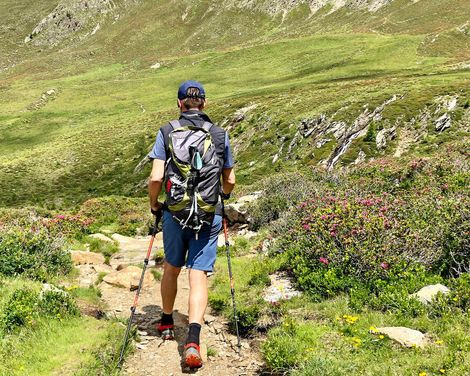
(20, 310)
(34, 253)
(27, 305)
(57, 304)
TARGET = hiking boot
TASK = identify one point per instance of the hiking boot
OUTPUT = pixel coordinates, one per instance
(191, 356)
(167, 331)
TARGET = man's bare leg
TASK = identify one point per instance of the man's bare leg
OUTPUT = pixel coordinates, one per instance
(197, 296)
(169, 287)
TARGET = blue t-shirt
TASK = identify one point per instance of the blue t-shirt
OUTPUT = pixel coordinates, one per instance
(158, 151)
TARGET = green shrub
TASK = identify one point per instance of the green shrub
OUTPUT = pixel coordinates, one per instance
(26, 305)
(21, 309)
(280, 192)
(248, 316)
(36, 254)
(58, 304)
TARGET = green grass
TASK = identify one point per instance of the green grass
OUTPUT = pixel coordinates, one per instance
(87, 141)
(327, 344)
(55, 348)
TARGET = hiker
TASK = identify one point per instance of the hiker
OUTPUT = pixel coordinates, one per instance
(192, 160)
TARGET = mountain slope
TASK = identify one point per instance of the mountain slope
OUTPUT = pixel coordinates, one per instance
(294, 88)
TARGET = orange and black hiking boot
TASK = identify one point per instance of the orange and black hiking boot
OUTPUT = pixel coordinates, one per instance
(167, 331)
(192, 355)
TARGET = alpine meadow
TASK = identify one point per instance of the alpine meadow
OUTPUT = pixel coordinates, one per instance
(349, 227)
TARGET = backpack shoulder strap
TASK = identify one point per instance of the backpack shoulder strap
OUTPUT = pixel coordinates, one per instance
(207, 126)
(175, 124)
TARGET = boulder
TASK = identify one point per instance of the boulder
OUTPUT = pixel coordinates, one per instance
(443, 123)
(237, 212)
(101, 237)
(427, 293)
(83, 258)
(404, 336)
(129, 278)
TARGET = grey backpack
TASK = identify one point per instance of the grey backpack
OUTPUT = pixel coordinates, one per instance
(192, 175)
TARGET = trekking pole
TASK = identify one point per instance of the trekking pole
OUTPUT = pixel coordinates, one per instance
(158, 216)
(232, 283)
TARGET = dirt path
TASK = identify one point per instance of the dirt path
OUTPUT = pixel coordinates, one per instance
(156, 357)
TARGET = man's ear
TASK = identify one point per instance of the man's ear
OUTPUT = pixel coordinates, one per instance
(179, 103)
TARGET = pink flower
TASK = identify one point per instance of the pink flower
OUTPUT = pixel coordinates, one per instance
(306, 227)
(385, 265)
(60, 216)
(324, 260)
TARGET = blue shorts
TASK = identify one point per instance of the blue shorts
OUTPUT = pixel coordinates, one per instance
(179, 243)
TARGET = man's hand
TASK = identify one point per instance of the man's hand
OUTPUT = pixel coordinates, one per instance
(225, 196)
(155, 209)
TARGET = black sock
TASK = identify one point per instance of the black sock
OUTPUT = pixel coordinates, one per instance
(167, 319)
(194, 333)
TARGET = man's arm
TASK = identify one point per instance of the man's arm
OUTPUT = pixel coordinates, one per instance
(156, 182)
(228, 180)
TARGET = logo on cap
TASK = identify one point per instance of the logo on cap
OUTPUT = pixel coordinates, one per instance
(185, 86)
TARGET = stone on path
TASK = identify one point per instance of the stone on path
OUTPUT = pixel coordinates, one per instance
(404, 336)
(101, 237)
(84, 257)
(129, 278)
(126, 243)
(427, 293)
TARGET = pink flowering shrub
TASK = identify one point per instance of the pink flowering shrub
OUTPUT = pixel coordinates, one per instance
(386, 229)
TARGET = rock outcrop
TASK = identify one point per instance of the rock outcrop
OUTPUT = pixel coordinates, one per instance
(274, 7)
(70, 17)
(404, 336)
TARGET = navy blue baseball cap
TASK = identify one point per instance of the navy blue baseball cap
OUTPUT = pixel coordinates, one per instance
(183, 89)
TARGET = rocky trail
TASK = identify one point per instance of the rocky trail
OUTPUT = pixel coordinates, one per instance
(153, 356)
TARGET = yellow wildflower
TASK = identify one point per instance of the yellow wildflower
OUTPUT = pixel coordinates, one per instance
(373, 329)
(442, 370)
(381, 336)
(422, 374)
(439, 342)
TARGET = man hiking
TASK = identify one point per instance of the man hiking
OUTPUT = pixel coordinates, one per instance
(192, 161)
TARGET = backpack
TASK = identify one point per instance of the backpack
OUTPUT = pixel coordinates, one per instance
(192, 175)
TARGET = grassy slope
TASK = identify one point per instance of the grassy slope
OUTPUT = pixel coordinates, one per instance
(87, 141)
